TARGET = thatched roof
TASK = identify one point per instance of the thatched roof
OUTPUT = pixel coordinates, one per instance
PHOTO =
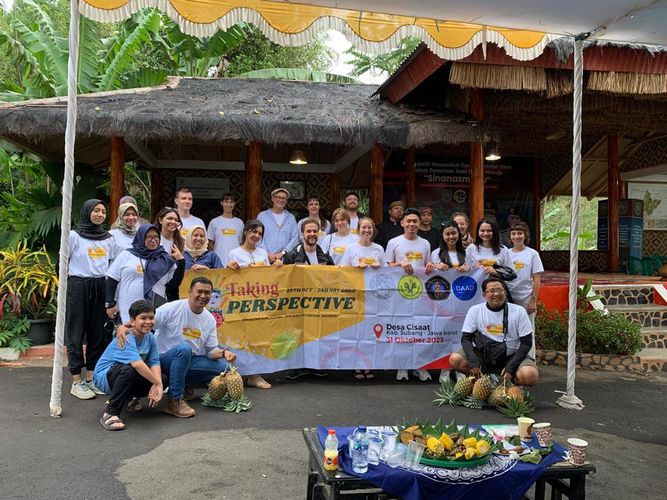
(216, 110)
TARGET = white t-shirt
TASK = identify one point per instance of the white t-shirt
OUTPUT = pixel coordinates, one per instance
(336, 245)
(257, 258)
(453, 258)
(189, 222)
(354, 224)
(372, 255)
(417, 252)
(323, 230)
(175, 322)
(90, 258)
(490, 324)
(526, 263)
(166, 244)
(483, 257)
(226, 235)
(123, 240)
(312, 258)
(128, 271)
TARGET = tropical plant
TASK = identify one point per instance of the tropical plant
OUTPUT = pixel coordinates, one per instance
(556, 224)
(28, 280)
(584, 296)
(13, 329)
(299, 74)
(387, 63)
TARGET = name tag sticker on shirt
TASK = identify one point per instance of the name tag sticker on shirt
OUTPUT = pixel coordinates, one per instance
(97, 252)
(228, 232)
(191, 333)
(494, 329)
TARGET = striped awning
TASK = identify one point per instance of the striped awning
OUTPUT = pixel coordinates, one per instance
(288, 23)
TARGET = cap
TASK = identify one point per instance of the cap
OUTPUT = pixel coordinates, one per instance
(490, 206)
(396, 204)
(426, 210)
(278, 190)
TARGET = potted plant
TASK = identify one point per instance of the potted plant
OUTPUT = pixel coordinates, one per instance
(28, 282)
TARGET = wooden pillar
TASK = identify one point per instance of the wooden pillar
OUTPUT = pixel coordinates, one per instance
(411, 181)
(623, 190)
(377, 182)
(476, 162)
(116, 176)
(334, 193)
(537, 189)
(156, 193)
(253, 180)
(613, 179)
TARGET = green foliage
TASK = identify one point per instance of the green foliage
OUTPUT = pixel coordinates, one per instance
(13, 331)
(388, 63)
(597, 332)
(304, 75)
(584, 296)
(556, 224)
(258, 52)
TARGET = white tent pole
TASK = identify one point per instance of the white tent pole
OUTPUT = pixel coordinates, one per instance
(569, 400)
(70, 135)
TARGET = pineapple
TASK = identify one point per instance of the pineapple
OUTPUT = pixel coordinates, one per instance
(481, 390)
(447, 394)
(463, 387)
(515, 392)
(498, 395)
(473, 402)
(217, 388)
(234, 383)
(515, 408)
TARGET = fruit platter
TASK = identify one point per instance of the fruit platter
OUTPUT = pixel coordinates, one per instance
(448, 445)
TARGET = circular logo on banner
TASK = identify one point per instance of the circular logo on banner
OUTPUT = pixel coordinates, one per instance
(437, 288)
(409, 287)
(460, 196)
(382, 285)
(464, 288)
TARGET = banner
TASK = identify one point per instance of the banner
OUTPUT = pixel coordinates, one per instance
(329, 317)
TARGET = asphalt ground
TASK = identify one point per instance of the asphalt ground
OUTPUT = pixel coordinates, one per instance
(261, 454)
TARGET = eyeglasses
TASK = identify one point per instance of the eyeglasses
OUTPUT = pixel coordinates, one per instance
(495, 291)
(283, 198)
(152, 238)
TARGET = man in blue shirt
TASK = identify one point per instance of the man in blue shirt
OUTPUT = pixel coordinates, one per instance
(132, 371)
(281, 233)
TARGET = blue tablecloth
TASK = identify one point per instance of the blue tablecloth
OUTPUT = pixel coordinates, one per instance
(500, 478)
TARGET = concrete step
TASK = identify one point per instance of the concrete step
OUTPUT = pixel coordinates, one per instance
(654, 338)
(645, 315)
(625, 294)
(653, 360)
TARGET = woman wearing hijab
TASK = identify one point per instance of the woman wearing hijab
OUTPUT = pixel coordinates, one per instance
(91, 250)
(126, 225)
(143, 271)
(197, 255)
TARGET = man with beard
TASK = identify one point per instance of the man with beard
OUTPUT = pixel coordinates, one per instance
(351, 205)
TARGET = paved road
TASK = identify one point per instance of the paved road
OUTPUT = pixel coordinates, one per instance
(260, 454)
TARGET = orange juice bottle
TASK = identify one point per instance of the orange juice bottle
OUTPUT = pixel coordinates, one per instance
(331, 451)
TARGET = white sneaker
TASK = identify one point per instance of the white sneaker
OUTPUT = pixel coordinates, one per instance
(402, 375)
(423, 375)
(444, 376)
(91, 385)
(82, 391)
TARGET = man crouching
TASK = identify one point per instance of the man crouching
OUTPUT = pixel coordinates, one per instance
(497, 338)
(132, 371)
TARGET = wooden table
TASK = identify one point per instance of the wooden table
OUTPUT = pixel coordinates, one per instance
(563, 478)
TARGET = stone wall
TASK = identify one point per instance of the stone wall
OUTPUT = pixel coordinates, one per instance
(600, 362)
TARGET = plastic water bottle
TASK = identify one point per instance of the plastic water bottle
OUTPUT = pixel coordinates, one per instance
(331, 451)
(360, 450)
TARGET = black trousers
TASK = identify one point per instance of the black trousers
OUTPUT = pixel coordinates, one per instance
(126, 383)
(84, 323)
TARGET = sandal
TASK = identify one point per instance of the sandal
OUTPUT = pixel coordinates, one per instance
(112, 422)
(369, 375)
(258, 382)
(134, 406)
(359, 375)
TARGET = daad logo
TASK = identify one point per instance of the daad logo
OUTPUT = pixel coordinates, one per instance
(437, 288)
(464, 288)
(409, 287)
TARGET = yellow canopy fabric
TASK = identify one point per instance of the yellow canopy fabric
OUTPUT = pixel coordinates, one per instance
(296, 24)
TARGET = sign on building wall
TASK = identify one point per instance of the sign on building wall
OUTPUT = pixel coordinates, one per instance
(654, 196)
(209, 188)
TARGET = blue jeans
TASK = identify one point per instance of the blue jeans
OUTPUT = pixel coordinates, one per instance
(203, 369)
(175, 364)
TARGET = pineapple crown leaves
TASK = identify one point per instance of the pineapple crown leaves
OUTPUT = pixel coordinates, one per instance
(446, 395)
(513, 408)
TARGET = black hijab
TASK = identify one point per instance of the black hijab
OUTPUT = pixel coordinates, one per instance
(156, 263)
(86, 228)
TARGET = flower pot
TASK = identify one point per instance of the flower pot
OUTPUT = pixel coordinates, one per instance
(41, 331)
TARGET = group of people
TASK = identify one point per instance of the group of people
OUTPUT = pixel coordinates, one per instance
(131, 275)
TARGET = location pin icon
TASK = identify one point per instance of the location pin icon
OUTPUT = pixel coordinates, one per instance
(377, 330)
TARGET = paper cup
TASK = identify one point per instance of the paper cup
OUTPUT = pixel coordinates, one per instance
(525, 427)
(543, 433)
(576, 451)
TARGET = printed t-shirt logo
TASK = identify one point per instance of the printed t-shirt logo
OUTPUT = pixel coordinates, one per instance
(139, 269)
(369, 261)
(492, 329)
(228, 232)
(487, 262)
(191, 333)
(414, 255)
(185, 231)
(338, 250)
(409, 287)
(519, 265)
(97, 252)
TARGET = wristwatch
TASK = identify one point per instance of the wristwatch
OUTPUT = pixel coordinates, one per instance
(109, 305)
(283, 253)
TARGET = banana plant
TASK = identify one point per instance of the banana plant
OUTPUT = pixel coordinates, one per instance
(298, 74)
